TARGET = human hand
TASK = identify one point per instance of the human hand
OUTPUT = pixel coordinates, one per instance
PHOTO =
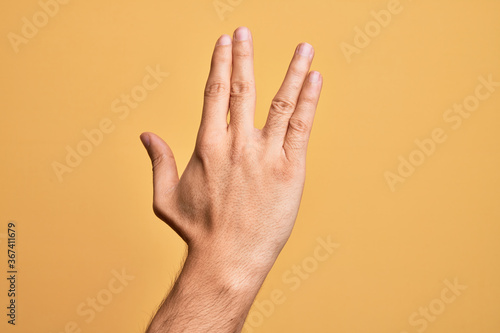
(236, 203)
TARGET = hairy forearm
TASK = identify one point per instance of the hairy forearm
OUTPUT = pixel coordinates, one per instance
(208, 298)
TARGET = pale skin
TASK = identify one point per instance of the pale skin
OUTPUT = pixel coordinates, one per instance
(237, 200)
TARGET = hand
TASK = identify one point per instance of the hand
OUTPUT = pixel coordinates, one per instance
(236, 203)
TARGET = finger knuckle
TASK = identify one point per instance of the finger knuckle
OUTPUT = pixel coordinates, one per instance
(216, 89)
(208, 146)
(204, 151)
(299, 125)
(220, 58)
(298, 71)
(309, 101)
(242, 52)
(241, 88)
(282, 106)
(244, 150)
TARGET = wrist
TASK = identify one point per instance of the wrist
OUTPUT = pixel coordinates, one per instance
(226, 269)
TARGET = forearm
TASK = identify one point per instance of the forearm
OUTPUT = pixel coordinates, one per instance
(208, 296)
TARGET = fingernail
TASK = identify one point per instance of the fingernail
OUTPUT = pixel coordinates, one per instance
(241, 34)
(224, 40)
(145, 139)
(314, 77)
(305, 49)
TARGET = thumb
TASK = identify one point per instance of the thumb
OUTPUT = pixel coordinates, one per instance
(165, 174)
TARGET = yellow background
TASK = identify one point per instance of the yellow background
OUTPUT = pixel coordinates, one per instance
(396, 248)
